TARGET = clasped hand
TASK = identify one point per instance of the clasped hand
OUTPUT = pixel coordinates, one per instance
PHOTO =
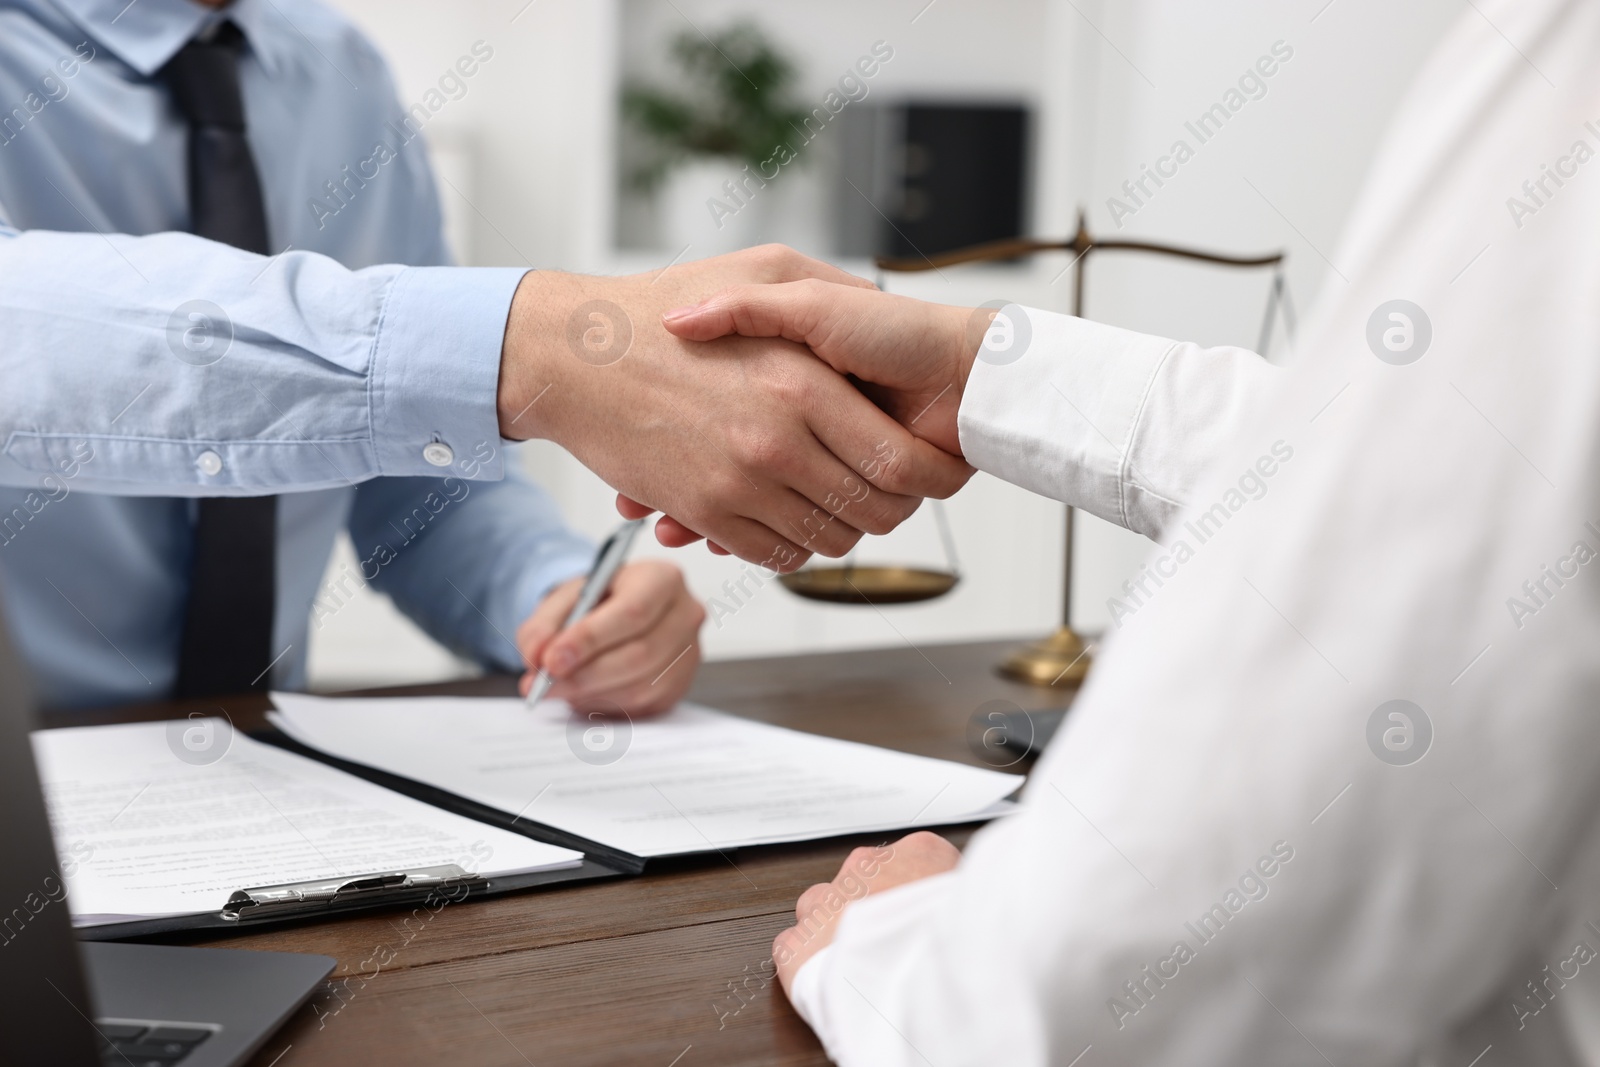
(911, 358)
(751, 441)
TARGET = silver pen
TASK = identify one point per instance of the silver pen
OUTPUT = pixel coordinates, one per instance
(607, 562)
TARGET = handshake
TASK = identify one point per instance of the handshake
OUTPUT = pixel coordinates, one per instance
(764, 401)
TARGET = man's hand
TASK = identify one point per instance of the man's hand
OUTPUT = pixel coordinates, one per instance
(749, 441)
(637, 650)
(866, 871)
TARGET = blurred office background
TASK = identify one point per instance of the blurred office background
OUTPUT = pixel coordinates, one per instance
(1042, 106)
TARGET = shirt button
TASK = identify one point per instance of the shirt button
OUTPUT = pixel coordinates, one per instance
(209, 463)
(439, 454)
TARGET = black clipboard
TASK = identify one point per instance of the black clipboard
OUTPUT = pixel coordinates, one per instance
(256, 907)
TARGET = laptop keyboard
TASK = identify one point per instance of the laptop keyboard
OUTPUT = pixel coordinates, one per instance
(147, 1044)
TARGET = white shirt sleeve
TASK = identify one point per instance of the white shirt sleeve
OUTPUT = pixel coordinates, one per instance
(805, 993)
(1120, 424)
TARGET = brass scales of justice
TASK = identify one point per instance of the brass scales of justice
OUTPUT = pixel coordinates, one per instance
(1062, 659)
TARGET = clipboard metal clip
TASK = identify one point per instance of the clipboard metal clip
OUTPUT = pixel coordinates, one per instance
(321, 894)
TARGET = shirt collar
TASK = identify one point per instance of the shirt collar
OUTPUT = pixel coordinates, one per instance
(144, 34)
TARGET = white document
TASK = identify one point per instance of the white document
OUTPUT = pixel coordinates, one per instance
(692, 780)
(143, 833)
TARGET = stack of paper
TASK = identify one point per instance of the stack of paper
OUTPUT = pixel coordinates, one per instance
(692, 780)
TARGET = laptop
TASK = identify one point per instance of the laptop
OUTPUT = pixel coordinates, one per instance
(66, 1004)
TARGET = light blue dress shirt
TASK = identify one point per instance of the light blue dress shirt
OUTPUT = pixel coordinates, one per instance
(141, 367)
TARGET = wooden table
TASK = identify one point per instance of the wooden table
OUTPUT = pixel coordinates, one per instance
(663, 970)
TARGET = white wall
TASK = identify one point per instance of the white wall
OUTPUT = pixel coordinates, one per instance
(1113, 83)
(1304, 146)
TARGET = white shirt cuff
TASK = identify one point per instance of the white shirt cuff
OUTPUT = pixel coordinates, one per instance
(1052, 404)
(1123, 425)
(805, 990)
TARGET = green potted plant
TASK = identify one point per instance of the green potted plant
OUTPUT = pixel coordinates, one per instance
(733, 108)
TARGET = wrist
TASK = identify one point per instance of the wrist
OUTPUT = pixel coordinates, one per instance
(967, 338)
(960, 334)
(530, 356)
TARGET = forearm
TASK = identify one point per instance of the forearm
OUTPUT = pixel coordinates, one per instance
(1120, 424)
(189, 368)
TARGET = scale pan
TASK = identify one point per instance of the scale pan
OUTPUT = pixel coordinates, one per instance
(869, 585)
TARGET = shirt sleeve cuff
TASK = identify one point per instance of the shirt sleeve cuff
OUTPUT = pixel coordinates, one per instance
(805, 990)
(1055, 410)
(436, 370)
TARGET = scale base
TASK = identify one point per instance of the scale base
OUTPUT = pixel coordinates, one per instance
(1060, 660)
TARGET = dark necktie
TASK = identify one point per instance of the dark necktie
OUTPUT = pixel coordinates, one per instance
(227, 626)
